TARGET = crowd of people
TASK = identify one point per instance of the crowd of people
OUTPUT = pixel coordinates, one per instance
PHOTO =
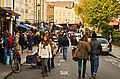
(48, 48)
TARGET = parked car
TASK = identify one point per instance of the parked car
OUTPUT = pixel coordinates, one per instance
(104, 44)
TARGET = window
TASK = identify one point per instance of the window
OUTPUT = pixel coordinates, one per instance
(63, 13)
(0, 3)
(60, 13)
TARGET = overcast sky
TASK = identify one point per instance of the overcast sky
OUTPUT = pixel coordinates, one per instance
(60, 0)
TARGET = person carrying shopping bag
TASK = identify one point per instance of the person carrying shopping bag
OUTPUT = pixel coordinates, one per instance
(44, 53)
(83, 48)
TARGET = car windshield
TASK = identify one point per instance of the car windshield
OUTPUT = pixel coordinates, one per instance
(103, 41)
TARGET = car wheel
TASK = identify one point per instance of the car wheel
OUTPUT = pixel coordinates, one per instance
(107, 53)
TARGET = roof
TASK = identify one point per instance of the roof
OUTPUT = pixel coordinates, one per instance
(12, 12)
(64, 4)
(9, 11)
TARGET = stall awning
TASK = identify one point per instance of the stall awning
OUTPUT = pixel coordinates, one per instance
(47, 26)
(42, 27)
(59, 26)
(114, 23)
(30, 26)
(23, 26)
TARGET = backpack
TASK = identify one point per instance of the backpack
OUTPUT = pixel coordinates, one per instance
(10, 41)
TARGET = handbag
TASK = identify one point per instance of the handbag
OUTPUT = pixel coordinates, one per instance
(74, 54)
(7, 60)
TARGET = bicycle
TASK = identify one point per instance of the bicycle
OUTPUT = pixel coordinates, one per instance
(16, 62)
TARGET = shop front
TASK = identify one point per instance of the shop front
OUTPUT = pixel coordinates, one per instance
(7, 19)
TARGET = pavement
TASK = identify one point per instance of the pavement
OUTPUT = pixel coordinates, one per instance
(115, 51)
(5, 70)
(68, 69)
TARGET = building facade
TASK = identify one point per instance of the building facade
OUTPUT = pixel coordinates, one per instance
(61, 12)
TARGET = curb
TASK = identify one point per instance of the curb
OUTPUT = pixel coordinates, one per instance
(10, 72)
(114, 56)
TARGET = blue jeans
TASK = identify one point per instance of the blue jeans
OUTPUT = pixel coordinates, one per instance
(7, 52)
(52, 61)
(65, 52)
(94, 64)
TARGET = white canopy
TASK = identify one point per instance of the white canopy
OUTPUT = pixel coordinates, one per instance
(59, 26)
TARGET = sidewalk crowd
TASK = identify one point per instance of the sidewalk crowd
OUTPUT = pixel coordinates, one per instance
(48, 48)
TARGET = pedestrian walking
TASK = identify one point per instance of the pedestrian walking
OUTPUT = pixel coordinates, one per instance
(25, 36)
(17, 48)
(22, 42)
(94, 55)
(45, 53)
(65, 44)
(73, 42)
(55, 48)
(110, 40)
(82, 55)
(30, 43)
(6, 47)
(60, 43)
(49, 59)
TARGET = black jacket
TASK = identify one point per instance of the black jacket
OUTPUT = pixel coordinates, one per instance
(65, 41)
(96, 47)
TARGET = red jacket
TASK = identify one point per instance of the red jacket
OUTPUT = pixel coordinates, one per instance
(11, 40)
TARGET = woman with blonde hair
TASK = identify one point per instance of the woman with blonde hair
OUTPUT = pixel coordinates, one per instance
(82, 54)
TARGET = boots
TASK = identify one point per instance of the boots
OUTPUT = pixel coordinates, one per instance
(79, 77)
(83, 75)
(44, 74)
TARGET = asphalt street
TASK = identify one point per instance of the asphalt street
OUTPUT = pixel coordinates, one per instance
(109, 68)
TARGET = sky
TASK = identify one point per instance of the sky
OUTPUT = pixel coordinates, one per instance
(60, 0)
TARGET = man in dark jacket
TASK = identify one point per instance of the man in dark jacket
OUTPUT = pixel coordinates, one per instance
(94, 55)
(30, 43)
(59, 42)
(65, 44)
(22, 41)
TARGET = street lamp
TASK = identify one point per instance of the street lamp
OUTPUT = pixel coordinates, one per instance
(83, 20)
(38, 13)
(83, 24)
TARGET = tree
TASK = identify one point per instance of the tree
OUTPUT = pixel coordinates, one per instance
(97, 11)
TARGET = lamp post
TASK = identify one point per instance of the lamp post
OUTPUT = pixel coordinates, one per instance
(83, 20)
(83, 23)
(38, 13)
